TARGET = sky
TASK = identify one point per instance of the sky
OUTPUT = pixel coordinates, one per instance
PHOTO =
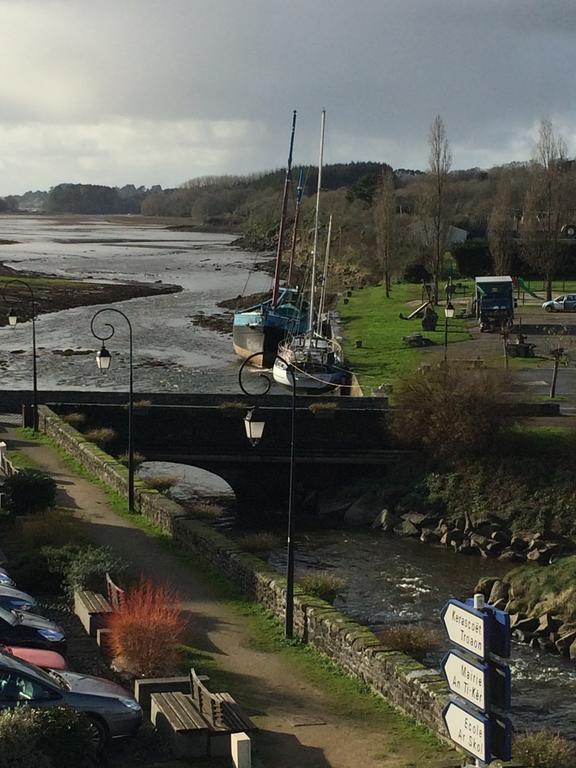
(160, 91)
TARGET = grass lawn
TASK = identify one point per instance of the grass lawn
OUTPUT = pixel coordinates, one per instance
(44, 282)
(374, 319)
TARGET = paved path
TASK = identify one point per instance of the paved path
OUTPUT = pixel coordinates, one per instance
(300, 726)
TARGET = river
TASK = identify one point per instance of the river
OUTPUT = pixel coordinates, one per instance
(387, 580)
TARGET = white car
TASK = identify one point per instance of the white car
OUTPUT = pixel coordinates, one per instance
(564, 303)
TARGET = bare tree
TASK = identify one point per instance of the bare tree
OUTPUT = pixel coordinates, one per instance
(440, 162)
(500, 228)
(385, 226)
(545, 208)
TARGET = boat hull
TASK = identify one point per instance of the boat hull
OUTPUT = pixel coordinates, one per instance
(313, 381)
(251, 340)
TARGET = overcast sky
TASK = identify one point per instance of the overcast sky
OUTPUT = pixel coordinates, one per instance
(159, 91)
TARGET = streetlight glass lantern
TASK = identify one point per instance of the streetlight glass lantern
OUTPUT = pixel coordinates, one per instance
(103, 358)
(449, 310)
(12, 317)
(254, 425)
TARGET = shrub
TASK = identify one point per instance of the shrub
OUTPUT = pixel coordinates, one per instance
(323, 407)
(56, 527)
(147, 629)
(259, 542)
(74, 419)
(45, 738)
(544, 749)
(30, 491)
(323, 584)
(206, 511)
(82, 567)
(409, 638)
(100, 435)
(138, 458)
(451, 411)
(160, 482)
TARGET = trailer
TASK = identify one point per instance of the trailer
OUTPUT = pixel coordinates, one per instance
(494, 302)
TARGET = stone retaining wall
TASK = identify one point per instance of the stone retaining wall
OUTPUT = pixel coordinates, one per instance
(404, 682)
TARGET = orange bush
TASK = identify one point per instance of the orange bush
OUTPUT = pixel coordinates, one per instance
(147, 627)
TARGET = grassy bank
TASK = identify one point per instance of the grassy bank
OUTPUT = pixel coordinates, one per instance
(375, 320)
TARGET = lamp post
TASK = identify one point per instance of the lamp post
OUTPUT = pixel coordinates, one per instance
(13, 321)
(103, 361)
(254, 425)
(448, 313)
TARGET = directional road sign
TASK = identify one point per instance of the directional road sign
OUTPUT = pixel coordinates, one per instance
(485, 685)
(466, 679)
(469, 731)
(467, 627)
(484, 737)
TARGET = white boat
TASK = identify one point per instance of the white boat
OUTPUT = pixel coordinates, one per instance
(315, 360)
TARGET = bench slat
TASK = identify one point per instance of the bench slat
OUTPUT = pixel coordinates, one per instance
(179, 710)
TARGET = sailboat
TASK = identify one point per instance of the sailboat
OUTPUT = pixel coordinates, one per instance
(259, 329)
(315, 359)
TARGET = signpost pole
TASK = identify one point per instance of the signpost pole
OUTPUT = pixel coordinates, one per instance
(479, 605)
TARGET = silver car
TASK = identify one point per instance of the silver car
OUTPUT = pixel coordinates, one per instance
(564, 303)
(113, 713)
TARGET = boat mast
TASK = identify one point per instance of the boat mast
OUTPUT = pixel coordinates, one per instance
(287, 181)
(299, 192)
(324, 279)
(315, 246)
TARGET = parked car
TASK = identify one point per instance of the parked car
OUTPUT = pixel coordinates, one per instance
(28, 630)
(38, 656)
(564, 303)
(15, 600)
(5, 579)
(113, 712)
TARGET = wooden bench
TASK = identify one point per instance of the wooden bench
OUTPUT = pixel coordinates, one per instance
(198, 720)
(91, 607)
(183, 727)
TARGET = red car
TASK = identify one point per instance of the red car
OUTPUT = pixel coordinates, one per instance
(37, 656)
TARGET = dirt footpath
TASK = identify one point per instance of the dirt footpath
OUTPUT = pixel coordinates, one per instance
(301, 725)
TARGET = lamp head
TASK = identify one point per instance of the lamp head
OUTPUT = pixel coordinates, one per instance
(12, 317)
(254, 425)
(103, 358)
(449, 310)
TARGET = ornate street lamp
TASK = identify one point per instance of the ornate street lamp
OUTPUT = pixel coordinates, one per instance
(103, 361)
(254, 425)
(13, 321)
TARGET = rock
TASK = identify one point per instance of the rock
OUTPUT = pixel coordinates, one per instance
(518, 543)
(500, 536)
(566, 638)
(500, 591)
(548, 624)
(406, 528)
(572, 651)
(429, 537)
(468, 527)
(499, 604)
(478, 539)
(528, 625)
(515, 618)
(385, 520)
(416, 518)
(363, 510)
(538, 556)
(508, 555)
(494, 548)
(452, 537)
(485, 584)
(466, 548)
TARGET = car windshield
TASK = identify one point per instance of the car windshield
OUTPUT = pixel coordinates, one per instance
(46, 676)
(10, 617)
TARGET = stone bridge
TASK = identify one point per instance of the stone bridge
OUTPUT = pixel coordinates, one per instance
(335, 444)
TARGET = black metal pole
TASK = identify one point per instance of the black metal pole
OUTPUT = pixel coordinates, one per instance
(130, 393)
(290, 544)
(28, 287)
(289, 624)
